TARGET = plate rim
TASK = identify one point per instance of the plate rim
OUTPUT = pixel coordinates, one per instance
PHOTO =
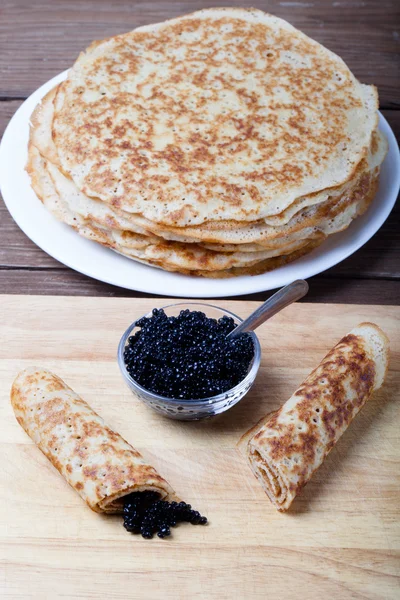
(310, 265)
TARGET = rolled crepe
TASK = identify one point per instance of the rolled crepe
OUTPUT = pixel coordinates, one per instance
(95, 460)
(287, 446)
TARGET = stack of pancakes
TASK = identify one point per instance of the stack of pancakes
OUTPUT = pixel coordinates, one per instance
(221, 143)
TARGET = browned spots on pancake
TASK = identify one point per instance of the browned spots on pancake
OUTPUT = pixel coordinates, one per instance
(177, 214)
(107, 177)
(92, 128)
(273, 420)
(79, 486)
(81, 151)
(112, 435)
(55, 386)
(92, 428)
(32, 379)
(174, 155)
(50, 413)
(203, 154)
(81, 448)
(18, 399)
(259, 435)
(307, 445)
(283, 445)
(116, 202)
(90, 472)
(111, 222)
(374, 143)
(54, 460)
(120, 131)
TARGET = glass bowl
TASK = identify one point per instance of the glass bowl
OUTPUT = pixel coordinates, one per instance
(188, 410)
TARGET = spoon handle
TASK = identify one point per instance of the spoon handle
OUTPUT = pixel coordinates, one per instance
(290, 293)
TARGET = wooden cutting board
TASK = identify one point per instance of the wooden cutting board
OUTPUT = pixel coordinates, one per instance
(341, 539)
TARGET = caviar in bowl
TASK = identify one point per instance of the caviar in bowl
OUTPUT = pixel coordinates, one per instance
(190, 408)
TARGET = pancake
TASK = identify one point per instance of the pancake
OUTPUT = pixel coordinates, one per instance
(307, 222)
(268, 237)
(264, 266)
(225, 114)
(91, 208)
(287, 447)
(132, 151)
(188, 258)
(173, 256)
(95, 460)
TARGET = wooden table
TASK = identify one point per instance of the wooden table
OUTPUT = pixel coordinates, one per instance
(339, 541)
(40, 39)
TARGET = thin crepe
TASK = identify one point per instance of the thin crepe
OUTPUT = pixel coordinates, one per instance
(87, 216)
(192, 259)
(173, 256)
(291, 443)
(95, 460)
(222, 114)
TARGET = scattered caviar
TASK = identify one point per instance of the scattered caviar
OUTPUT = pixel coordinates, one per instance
(146, 514)
(188, 356)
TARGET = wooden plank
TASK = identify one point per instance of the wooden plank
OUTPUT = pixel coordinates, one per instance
(59, 282)
(341, 539)
(379, 257)
(40, 39)
(393, 118)
(16, 249)
(7, 110)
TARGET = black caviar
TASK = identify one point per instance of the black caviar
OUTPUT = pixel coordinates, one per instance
(188, 356)
(145, 513)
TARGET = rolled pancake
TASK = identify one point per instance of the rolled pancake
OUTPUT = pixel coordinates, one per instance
(95, 460)
(291, 443)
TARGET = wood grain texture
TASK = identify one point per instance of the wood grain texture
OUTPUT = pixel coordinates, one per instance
(40, 39)
(341, 540)
(65, 282)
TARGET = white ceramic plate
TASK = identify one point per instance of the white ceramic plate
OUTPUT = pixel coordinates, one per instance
(65, 245)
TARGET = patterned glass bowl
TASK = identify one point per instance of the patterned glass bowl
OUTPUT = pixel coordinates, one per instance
(188, 410)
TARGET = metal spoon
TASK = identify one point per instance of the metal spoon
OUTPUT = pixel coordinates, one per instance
(290, 293)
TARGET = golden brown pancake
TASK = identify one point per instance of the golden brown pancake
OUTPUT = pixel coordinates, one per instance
(224, 114)
(287, 447)
(113, 122)
(95, 460)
